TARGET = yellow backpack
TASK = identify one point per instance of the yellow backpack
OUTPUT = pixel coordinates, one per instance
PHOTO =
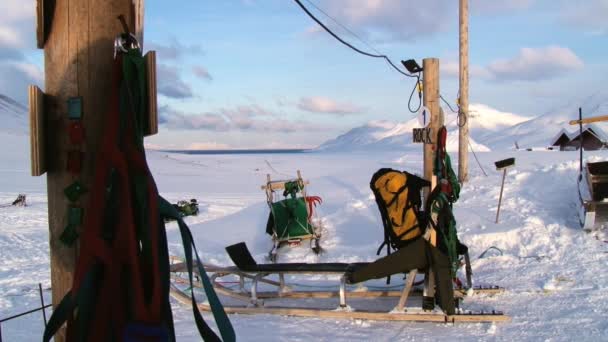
(398, 197)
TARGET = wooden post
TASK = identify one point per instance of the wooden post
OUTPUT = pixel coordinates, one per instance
(78, 63)
(430, 86)
(502, 186)
(463, 100)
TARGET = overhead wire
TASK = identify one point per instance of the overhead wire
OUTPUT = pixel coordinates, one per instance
(365, 53)
(343, 27)
(379, 55)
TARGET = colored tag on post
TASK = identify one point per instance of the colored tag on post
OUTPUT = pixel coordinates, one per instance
(75, 216)
(75, 108)
(74, 162)
(76, 132)
(74, 191)
(69, 235)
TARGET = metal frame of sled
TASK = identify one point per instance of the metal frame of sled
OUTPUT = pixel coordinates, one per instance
(254, 300)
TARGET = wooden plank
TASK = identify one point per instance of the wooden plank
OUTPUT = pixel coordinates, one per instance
(277, 185)
(589, 120)
(138, 7)
(338, 314)
(152, 127)
(37, 131)
(40, 34)
(458, 293)
(406, 291)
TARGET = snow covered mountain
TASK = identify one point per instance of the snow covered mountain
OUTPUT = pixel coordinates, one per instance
(485, 122)
(538, 131)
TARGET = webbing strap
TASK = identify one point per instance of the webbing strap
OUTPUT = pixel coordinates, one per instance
(223, 323)
(81, 300)
(61, 313)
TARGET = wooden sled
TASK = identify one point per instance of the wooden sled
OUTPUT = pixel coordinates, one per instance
(254, 301)
(290, 222)
(593, 196)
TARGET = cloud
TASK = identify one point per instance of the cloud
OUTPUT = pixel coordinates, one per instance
(251, 118)
(401, 20)
(530, 64)
(589, 15)
(202, 73)
(391, 19)
(175, 49)
(17, 36)
(496, 7)
(170, 83)
(320, 104)
(536, 64)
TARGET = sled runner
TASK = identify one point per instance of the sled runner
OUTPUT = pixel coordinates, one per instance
(290, 218)
(255, 302)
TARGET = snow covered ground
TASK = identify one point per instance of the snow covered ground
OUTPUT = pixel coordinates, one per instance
(555, 274)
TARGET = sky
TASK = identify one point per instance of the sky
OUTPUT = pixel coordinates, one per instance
(262, 74)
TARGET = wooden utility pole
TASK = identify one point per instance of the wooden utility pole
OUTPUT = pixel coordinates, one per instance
(430, 90)
(78, 41)
(463, 100)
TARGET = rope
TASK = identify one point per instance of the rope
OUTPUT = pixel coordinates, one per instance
(476, 159)
(447, 104)
(489, 249)
(274, 170)
(535, 257)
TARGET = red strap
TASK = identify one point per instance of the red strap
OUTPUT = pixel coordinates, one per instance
(120, 258)
(312, 203)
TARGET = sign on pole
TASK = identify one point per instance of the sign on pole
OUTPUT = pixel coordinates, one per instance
(422, 135)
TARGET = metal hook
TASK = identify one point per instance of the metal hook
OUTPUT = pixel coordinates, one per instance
(125, 41)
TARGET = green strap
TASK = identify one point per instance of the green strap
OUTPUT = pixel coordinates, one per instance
(83, 300)
(223, 323)
(60, 315)
(441, 206)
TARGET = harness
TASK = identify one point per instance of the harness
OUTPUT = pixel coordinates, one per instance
(440, 204)
(121, 285)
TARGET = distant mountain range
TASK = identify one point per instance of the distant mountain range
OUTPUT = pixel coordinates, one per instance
(381, 135)
(13, 116)
(490, 129)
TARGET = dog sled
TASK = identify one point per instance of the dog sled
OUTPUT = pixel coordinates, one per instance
(419, 240)
(254, 301)
(290, 220)
(593, 196)
(592, 184)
